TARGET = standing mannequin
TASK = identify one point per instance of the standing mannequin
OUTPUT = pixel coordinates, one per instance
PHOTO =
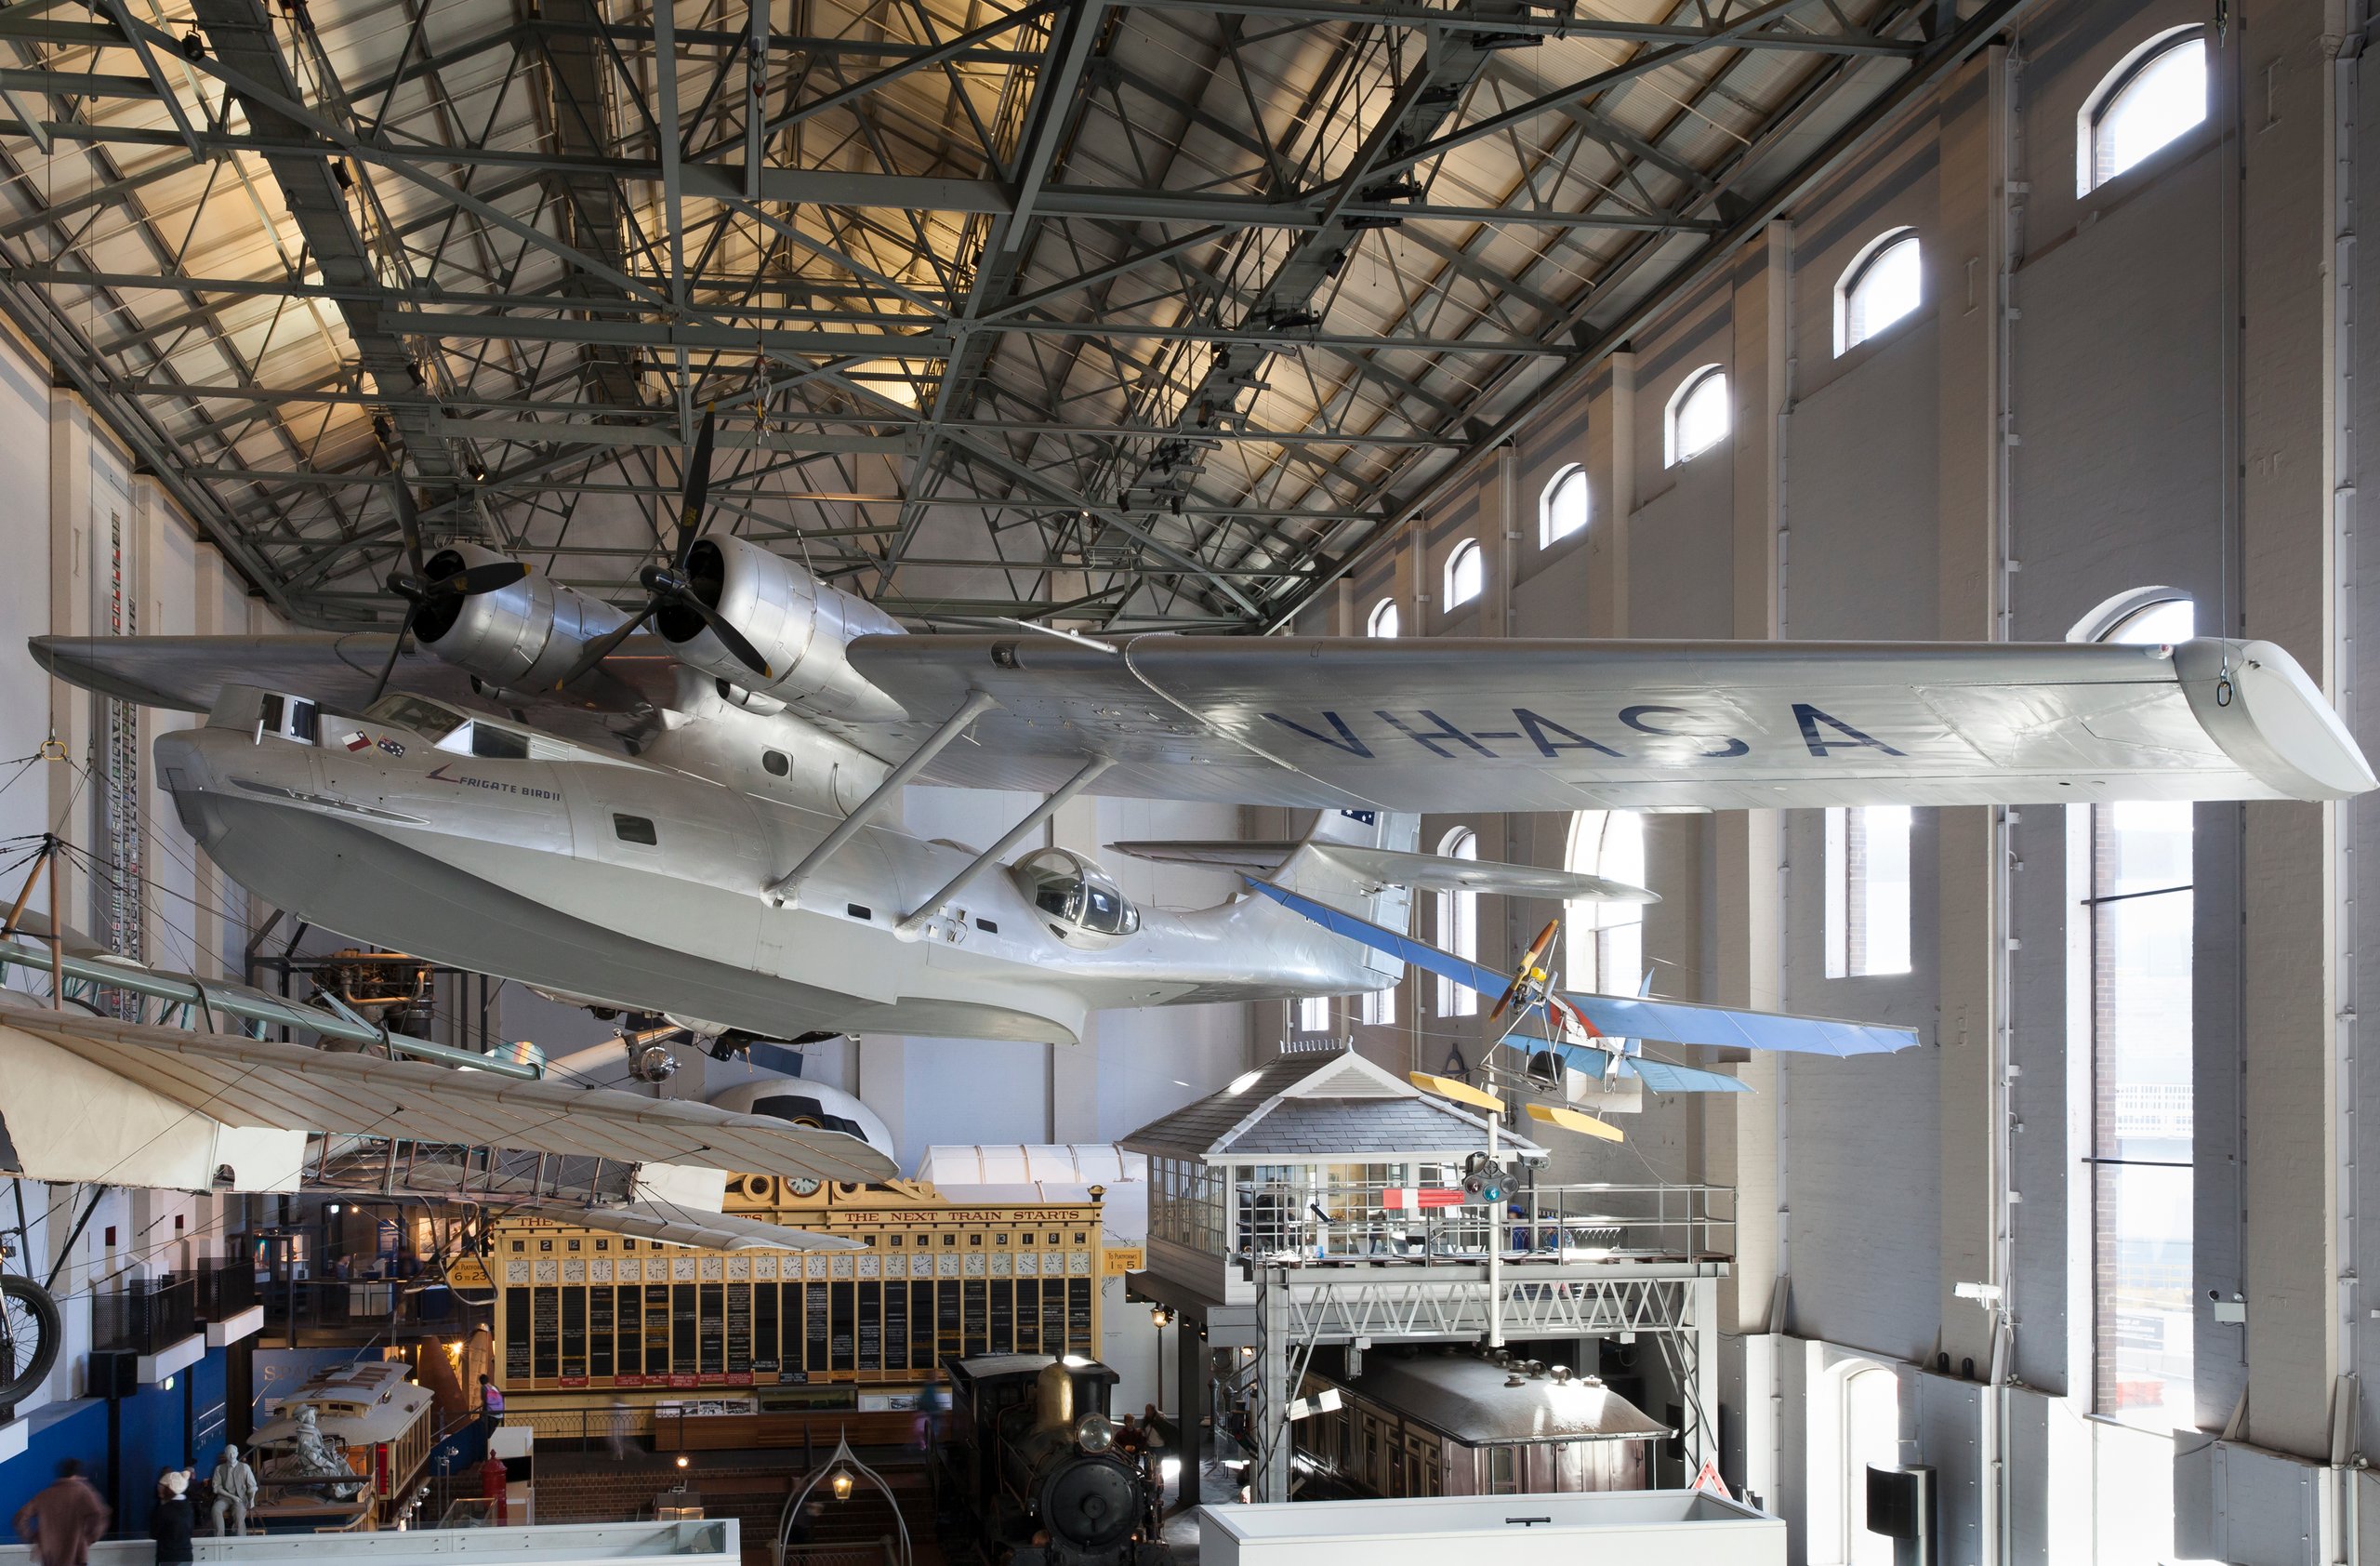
(235, 1486)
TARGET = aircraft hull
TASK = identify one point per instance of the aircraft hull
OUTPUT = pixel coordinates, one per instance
(519, 869)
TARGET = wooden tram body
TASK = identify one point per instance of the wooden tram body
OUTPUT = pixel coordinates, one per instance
(388, 1424)
(602, 1327)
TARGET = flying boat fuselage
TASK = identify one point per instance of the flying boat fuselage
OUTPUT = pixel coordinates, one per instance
(645, 884)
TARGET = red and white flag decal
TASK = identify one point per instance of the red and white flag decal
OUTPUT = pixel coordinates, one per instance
(359, 740)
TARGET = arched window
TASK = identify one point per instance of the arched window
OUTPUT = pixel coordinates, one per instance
(1459, 927)
(1466, 573)
(1870, 1439)
(2158, 93)
(1881, 286)
(1562, 509)
(2138, 893)
(1699, 415)
(1384, 620)
(1606, 941)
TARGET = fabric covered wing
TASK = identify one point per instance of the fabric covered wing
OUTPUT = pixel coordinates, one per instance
(1620, 1016)
(244, 1081)
(673, 1223)
(1448, 725)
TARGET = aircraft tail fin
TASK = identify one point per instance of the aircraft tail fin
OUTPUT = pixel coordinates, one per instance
(1315, 872)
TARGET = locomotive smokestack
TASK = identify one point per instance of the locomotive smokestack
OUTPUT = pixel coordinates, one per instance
(1054, 1398)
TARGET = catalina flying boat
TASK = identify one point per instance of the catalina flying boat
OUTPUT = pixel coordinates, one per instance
(690, 808)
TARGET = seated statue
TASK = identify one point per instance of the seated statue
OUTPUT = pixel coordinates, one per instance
(312, 1463)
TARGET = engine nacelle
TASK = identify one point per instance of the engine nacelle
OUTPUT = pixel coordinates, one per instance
(797, 622)
(522, 638)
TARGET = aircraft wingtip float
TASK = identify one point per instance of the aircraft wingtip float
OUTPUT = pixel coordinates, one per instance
(683, 808)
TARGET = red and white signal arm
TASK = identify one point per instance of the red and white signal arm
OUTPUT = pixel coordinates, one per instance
(1709, 1480)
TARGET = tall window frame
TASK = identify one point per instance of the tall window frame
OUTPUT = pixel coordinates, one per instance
(1699, 419)
(1604, 942)
(1884, 285)
(1385, 621)
(2137, 896)
(1564, 507)
(1869, 882)
(2140, 108)
(1310, 1017)
(1458, 915)
(1466, 573)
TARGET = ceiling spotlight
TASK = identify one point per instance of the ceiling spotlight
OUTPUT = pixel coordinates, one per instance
(681, 1459)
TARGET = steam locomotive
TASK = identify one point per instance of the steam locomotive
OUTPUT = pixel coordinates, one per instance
(1031, 1457)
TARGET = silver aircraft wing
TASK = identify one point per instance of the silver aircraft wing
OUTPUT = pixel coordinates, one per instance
(338, 669)
(243, 1081)
(1451, 726)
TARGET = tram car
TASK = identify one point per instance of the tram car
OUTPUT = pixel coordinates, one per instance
(1032, 1458)
(369, 1418)
(1452, 1423)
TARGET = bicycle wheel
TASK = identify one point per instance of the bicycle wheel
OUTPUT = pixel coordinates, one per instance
(31, 1330)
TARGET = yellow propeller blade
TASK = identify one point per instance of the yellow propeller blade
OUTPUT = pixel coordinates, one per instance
(1462, 1092)
(1574, 1119)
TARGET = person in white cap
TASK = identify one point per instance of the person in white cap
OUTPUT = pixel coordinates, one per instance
(172, 1523)
(235, 1486)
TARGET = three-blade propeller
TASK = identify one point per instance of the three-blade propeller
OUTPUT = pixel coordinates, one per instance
(419, 589)
(670, 585)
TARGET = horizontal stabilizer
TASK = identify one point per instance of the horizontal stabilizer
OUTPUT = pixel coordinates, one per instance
(1389, 866)
(1658, 1075)
(1619, 1017)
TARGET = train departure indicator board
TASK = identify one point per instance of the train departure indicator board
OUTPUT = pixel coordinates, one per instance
(577, 1310)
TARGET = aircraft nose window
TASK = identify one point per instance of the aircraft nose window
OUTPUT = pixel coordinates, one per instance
(775, 761)
(1077, 899)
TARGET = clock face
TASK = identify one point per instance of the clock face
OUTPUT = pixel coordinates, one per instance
(801, 1185)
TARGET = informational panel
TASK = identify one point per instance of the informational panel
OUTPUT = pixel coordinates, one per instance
(580, 1309)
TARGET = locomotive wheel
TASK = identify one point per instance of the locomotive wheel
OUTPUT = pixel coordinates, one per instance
(31, 1330)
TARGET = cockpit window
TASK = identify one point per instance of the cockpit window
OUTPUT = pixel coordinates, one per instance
(425, 718)
(1076, 897)
(496, 744)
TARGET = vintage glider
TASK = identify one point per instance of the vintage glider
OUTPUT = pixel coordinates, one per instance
(86, 1098)
(692, 809)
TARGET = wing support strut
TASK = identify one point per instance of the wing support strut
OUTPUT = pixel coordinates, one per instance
(787, 888)
(1014, 835)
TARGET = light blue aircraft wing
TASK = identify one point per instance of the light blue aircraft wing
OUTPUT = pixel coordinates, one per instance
(1659, 1076)
(1621, 1017)
(1687, 1022)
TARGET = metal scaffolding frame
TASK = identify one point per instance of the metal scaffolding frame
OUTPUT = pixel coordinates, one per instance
(1143, 314)
(1676, 1306)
